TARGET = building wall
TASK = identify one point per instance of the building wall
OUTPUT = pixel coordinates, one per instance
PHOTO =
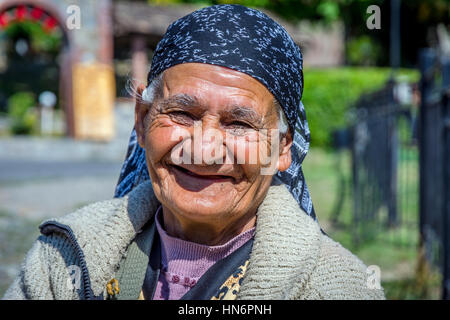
(87, 78)
(324, 46)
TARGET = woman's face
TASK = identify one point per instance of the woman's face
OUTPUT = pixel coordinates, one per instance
(200, 138)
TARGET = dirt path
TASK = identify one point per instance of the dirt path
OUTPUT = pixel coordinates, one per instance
(31, 193)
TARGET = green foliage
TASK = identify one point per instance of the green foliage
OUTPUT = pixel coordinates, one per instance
(40, 39)
(330, 93)
(23, 119)
(329, 10)
(363, 51)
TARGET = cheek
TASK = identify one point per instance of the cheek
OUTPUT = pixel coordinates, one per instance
(247, 154)
(161, 139)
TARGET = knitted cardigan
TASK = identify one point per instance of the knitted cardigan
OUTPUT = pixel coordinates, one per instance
(291, 258)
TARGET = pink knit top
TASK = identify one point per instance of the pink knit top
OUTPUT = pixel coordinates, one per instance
(184, 262)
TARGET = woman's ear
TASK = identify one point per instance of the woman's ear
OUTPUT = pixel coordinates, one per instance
(284, 161)
(141, 110)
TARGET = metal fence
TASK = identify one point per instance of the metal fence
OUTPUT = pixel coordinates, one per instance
(385, 166)
(401, 166)
(435, 162)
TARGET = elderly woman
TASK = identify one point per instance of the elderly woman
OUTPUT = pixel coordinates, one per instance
(203, 209)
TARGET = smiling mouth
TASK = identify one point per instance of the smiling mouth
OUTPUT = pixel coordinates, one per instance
(201, 176)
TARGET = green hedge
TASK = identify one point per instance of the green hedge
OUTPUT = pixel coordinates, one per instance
(329, 93)
(23, 119)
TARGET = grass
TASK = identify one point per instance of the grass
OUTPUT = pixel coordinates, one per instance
(394, 250)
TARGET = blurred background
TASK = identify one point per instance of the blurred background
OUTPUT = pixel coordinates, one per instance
(377, 77)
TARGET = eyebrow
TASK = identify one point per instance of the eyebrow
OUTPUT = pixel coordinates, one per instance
(245, 113)
(183, 100)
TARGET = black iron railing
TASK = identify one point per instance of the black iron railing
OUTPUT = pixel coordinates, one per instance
(384, 167)
(434, 134)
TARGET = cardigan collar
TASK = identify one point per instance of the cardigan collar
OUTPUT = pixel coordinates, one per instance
(285, 249)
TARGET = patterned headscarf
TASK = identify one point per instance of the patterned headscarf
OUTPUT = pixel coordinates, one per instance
(244, 40)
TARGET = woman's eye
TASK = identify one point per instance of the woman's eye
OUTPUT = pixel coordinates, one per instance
(239, 128)
(238, 124)
(180, 113)
(181, 116)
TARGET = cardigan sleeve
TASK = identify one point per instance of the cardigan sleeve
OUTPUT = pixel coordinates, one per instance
(32, 281)
(16, 291)
(341, 275)
(43, 273)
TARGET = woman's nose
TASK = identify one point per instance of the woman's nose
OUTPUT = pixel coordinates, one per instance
(208, 144)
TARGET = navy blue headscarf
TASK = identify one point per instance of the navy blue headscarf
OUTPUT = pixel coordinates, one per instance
(244, 40)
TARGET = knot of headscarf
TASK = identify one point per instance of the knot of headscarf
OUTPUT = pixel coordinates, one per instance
(248, 41)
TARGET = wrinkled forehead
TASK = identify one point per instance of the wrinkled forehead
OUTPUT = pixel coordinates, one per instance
(216, 86)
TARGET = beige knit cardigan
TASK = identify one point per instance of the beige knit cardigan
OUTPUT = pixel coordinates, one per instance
(291, 258)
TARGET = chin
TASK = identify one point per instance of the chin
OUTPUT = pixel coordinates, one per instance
(199, 208)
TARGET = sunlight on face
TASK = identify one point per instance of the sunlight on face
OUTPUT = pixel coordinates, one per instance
(220, 112)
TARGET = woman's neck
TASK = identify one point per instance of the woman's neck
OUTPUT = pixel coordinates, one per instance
(207, 233)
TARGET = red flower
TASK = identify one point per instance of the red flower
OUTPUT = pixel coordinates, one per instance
(21, 12)
(50, 23)
(36, 13)
(3, 19)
